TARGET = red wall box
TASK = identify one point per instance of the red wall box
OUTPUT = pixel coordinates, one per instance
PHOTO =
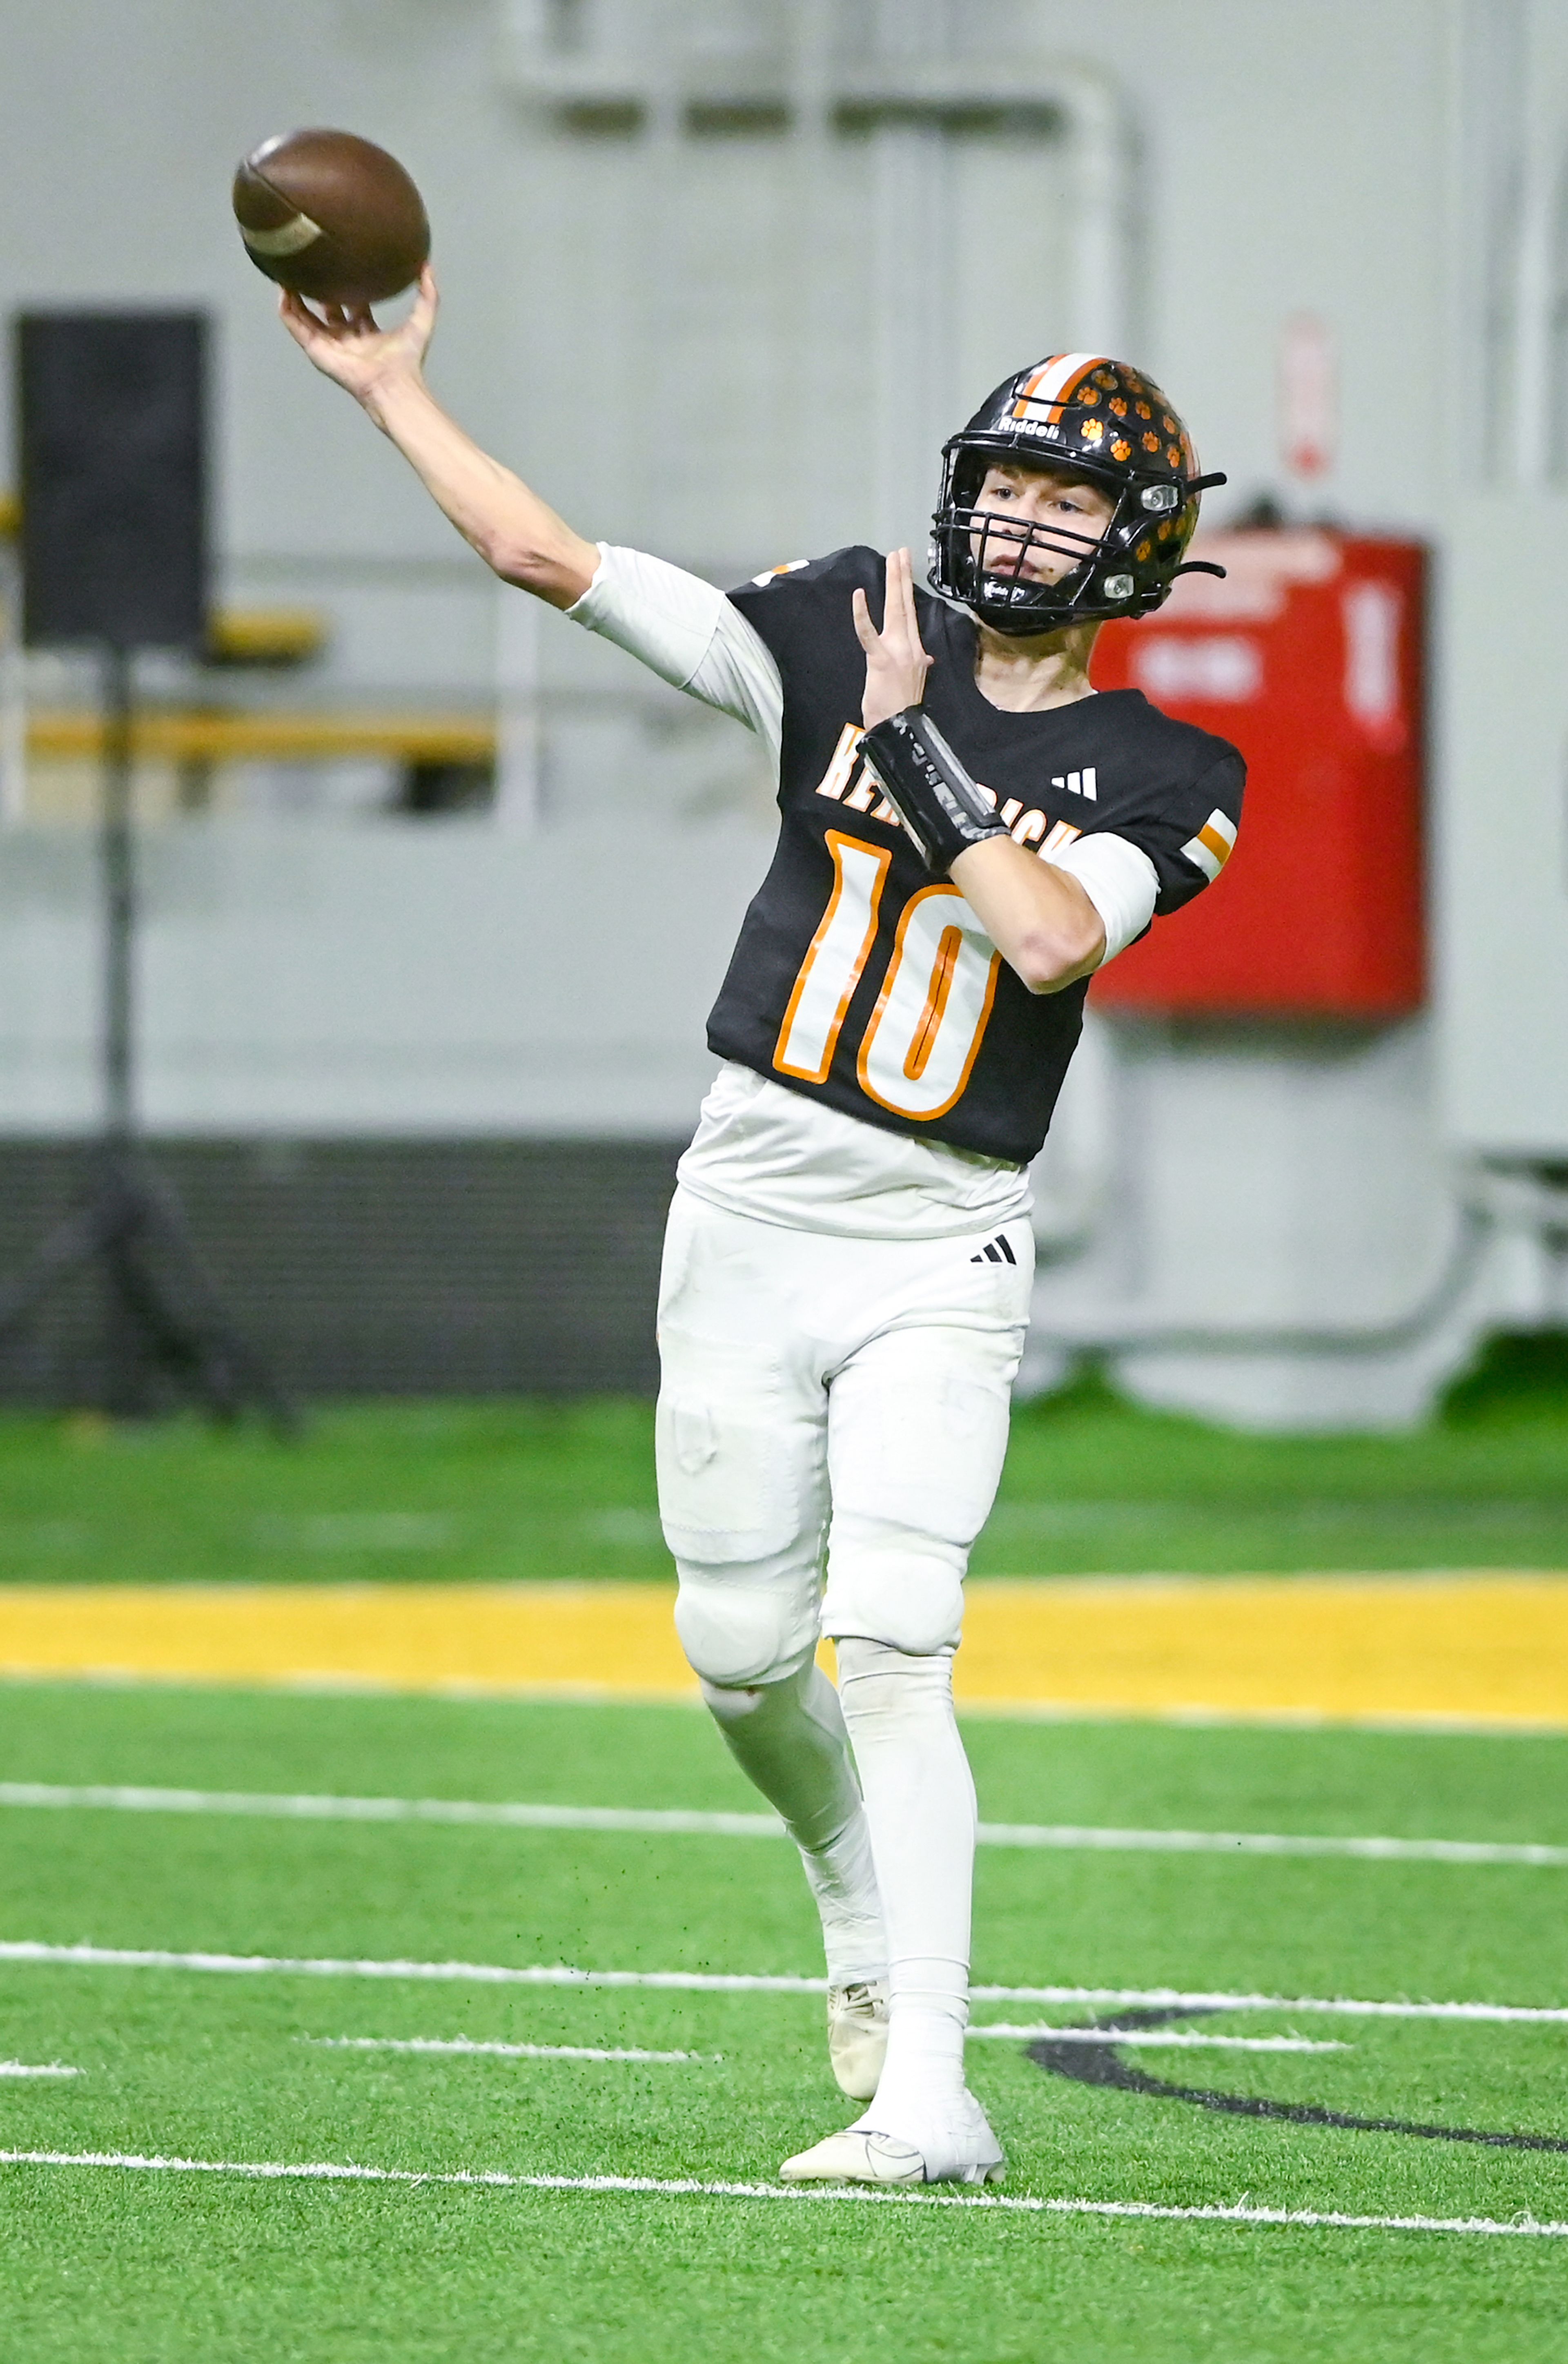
(1308, 658)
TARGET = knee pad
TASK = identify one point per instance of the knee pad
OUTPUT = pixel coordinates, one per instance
(747, 1626)
(893, 1585)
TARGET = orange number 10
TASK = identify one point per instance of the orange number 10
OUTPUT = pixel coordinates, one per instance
(919, 1046)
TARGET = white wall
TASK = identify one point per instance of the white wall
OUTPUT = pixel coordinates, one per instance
(1293, 1189)
(1503, 846)
(321, 979)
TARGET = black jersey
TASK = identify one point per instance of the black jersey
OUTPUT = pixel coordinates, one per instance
(859, 980)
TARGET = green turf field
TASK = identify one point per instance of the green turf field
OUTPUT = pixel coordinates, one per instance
(119, 2264)
(510, 1490)
(124, 2265)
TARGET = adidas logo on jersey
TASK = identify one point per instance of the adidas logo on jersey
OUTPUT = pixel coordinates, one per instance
(996, 1251)
(1079, 784)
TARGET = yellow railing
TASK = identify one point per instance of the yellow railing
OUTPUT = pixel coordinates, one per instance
(194, 735)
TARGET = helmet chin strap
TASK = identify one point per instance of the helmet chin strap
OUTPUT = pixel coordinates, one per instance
(1019, 624)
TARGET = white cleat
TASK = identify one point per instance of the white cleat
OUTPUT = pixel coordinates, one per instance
(960, 2149)
(857, 2036)
(853, 2158)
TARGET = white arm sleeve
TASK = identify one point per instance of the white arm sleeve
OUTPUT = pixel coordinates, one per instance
(1119, 879)
(686, 632)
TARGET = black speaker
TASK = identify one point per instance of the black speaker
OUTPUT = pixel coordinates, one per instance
(111, 417)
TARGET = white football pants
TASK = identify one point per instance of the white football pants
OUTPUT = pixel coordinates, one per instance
(827, 1393)
(846, 1397)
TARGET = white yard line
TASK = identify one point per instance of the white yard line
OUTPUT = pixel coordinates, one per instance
(311, 1809)
(45, 2069)
(515, 2051)
(547, 1974)
(330, 2171)
(1148, 2037)
(1151, 2038)
(1344, 2006)
(1368, 1850)
(679, 1822)
(560, 1974)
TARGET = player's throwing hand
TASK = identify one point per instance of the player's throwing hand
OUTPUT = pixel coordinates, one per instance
(345, 343)
(896, 664)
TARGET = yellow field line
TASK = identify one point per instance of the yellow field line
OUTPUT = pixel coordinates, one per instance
(1468, 1648)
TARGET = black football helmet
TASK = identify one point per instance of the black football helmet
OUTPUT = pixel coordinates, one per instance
(1091, 418)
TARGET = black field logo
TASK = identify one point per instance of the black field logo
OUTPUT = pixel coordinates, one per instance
(1102, 2064)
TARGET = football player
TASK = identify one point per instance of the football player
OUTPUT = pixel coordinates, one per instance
(967, 833)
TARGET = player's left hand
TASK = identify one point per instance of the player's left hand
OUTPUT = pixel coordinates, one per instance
(896, 665)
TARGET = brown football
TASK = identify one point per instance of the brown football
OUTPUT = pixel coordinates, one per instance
(332, 217)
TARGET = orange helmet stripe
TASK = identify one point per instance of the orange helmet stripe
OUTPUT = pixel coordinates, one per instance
(1055, 382)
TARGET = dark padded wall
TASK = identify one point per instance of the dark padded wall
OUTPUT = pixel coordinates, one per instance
(111, 414)
(382, 1268)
